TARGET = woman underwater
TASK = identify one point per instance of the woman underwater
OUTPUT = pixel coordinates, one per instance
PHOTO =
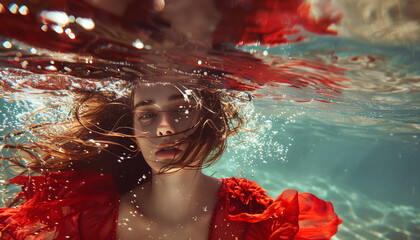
(130, 168)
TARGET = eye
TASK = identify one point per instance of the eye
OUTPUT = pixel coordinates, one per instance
(147, 115)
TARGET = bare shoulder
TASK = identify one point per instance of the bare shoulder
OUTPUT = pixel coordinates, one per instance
(213, 183)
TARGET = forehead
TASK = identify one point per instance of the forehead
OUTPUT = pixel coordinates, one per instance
(158, 93)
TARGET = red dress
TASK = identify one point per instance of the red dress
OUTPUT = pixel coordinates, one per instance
(83, 204)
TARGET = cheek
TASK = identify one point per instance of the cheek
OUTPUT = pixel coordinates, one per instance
(145, 148)
(144, 144)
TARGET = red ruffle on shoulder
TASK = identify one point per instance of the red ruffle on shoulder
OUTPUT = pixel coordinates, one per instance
(244, 205)
(63, 206)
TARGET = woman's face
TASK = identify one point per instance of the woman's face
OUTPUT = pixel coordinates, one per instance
(163, 114)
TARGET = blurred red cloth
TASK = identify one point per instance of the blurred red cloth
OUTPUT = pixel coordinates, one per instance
(83, 204)
(271, 22)
(267, 22)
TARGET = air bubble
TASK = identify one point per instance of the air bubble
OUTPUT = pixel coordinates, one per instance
(7, 44)
(58, 29)
(24, 64)
(13, 8)
(23, 10)
(86, 23)
(138, 44)
(71, 35)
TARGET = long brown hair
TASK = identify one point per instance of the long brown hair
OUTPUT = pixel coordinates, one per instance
(99, 136)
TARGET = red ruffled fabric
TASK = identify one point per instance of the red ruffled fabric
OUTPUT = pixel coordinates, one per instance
(83, 204)
(292, 215)
(68, 205)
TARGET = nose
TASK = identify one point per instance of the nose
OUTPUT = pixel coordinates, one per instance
(165, 127)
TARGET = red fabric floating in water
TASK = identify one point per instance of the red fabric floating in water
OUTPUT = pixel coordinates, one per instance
(28, 28)
(270, 22)
(242, 22)
(83, 204)
(67, 205)
(297, 73)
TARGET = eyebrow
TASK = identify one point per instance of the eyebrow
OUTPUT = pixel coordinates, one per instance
(151, 102)
(176, 97)
(144, 103)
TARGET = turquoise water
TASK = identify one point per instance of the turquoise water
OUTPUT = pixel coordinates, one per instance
(370, 175)
(361, 151)
(358, 147)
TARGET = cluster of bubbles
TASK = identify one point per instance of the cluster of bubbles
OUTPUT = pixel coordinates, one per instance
(263, 141)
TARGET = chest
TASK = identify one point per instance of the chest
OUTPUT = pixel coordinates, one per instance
(132, 224)
(212, 226)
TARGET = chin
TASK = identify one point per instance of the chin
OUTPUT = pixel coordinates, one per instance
(158, 166)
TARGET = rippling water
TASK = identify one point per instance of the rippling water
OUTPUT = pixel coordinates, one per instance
(338, 115)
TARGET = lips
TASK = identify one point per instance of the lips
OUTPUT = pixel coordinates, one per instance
(168, 151)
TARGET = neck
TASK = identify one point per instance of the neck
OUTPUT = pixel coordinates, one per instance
(178, 196)
(182, 186)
